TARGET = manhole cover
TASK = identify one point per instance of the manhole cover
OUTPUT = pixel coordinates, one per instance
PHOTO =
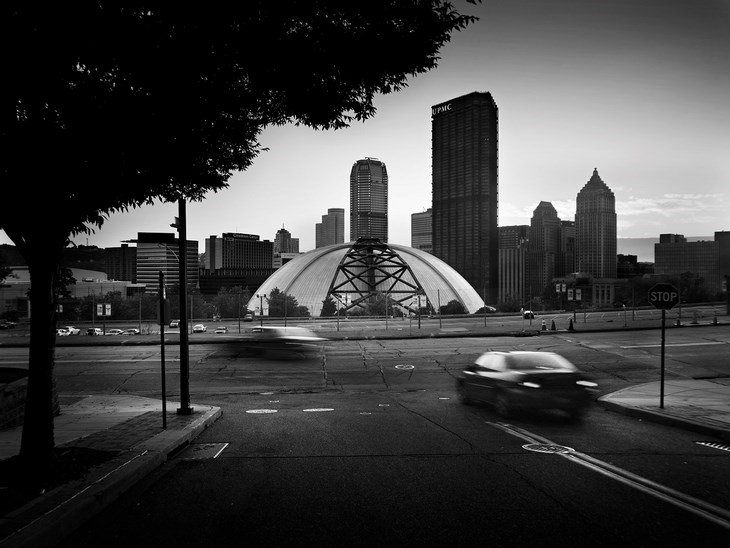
(547, 448)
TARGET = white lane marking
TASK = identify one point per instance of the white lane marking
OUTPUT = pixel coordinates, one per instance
(708, 511)
(261, 411)
(317, 409)
(677, 344)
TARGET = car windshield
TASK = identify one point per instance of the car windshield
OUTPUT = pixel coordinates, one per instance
(537, 361)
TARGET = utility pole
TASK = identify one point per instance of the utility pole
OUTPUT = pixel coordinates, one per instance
(180, 223)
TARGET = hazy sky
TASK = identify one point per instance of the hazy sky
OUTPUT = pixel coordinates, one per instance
(639, 89)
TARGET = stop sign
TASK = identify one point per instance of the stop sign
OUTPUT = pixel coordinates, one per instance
(664, 296)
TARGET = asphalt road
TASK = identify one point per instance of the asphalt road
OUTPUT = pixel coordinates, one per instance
(367, 444)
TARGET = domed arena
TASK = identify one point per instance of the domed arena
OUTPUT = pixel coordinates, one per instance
(355, 272)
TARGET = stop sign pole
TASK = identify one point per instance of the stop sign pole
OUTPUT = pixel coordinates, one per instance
(665, 297)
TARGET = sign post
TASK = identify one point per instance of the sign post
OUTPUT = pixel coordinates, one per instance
(663, 296)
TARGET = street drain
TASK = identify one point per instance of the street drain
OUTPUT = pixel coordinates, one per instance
(715, 445)
(201, 451)
(547, 448)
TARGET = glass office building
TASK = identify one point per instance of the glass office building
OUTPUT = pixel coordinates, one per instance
(464, 189)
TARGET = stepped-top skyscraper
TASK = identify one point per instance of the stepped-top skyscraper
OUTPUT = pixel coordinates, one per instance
(332, 228)
(464, 175)
(595, 229)
(369, 200)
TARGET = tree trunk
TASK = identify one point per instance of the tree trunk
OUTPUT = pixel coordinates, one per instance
(37, 442)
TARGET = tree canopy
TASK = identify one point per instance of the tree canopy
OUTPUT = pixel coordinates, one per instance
(108, 106)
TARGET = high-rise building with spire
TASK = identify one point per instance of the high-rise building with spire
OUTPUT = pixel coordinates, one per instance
(595, 229)
(464, 194)
(369, 200)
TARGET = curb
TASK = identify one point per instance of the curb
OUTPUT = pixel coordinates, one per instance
(663, 418)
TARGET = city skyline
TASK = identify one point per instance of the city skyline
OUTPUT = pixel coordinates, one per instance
(637, 90)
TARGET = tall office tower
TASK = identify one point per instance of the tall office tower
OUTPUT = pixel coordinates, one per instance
(421, 227)
(332, 228)
(566, 261)
(513, 242)
(236, 259)
(369, 200)
(464, 172)
(595, 229)
(154, 257)
(284, 243)
(121, 263)
(543, 249)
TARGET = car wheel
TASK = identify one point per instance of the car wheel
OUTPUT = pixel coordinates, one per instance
(502, 405)
(463, 394)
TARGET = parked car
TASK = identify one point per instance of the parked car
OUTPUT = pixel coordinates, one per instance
(62, 332)
(175, 323)
(526, 380)
(7, 324)
(248, 317)
(114, 331)
(528, 314)
(199, 328)
(131, 331)
(93, 331)
(72, 330)
(221, 329)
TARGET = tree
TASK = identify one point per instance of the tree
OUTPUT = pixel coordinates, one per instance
(329, 308)
(108, 107)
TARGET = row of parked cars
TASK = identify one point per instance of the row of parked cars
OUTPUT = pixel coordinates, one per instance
(69, 330)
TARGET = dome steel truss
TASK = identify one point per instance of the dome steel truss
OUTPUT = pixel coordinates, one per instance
(371, 269)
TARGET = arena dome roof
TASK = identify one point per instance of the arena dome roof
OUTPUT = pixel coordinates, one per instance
(355, 271)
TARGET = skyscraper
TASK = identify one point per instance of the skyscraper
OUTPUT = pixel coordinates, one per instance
(332, 228)
(284, 243)
(421, 226)
(464, 172)
(595, 229)
(543, 248)
(369, 200)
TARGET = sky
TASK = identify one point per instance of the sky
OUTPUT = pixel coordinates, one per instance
(638, 89)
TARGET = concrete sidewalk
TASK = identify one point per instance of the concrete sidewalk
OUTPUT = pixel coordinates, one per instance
(129, 425)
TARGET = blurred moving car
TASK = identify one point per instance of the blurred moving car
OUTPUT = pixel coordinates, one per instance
(221, 329)
(248, 317)
(114, 331)
(72, 330)
(62, 332)
(526, 380)
(286, 338)
(175, 323)
(528, 314)
(93, 331)
(131, 331)
(199, 328)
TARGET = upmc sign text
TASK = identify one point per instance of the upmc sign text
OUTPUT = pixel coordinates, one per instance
(664, 296)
